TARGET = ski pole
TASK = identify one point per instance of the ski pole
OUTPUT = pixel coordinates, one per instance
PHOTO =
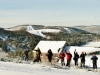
(89, 62)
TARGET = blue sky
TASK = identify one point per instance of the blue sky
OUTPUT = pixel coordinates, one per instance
(49, 12)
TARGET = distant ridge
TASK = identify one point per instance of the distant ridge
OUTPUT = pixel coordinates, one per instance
(90, 28)
(80, 29)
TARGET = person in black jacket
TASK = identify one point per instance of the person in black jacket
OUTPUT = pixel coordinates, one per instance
(82, 57)
(49, 55)
(76, 57)
(94, 59)
(26, 54)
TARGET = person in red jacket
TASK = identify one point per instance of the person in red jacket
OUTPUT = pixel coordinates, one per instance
(68, 57)
(61, 56)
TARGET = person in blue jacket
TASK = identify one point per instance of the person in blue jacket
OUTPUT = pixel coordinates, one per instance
(94, 59)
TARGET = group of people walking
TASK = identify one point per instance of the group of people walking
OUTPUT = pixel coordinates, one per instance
(64, 55)
(76, 56)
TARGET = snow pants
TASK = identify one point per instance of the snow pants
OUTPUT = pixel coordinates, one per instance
(62, 63)
(68, 63)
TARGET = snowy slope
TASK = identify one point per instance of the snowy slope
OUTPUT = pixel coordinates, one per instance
(92, 44)
(10, 68)
(16, 28)
(51, 30)
(31, 30)
(69, 30)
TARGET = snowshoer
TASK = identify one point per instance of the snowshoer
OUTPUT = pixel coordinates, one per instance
(76, 57)
(38, 54)
(94, 59)
(82, 57)
(68, 57)
(61, 56)
(49, 55)
(26, 54)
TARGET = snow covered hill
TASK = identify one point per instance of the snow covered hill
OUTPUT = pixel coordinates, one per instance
(93, 44)
(37, 30)
(16, 28)
(80, 29)
(90, 28)
(31, 30)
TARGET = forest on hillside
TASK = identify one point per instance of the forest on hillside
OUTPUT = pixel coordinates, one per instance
(21, 40)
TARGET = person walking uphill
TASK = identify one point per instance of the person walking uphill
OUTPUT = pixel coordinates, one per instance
(49, 55)
(94, 59)
(38, 54)
(82, 57)
(61, 56)
(68, 57)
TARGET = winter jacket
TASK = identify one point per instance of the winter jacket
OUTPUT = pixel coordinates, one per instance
(49, 54)
(68, 56)
(38, 52)
(82, 56)
(26, 53)
(76, 56)
(62, 55)
(94, 59)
